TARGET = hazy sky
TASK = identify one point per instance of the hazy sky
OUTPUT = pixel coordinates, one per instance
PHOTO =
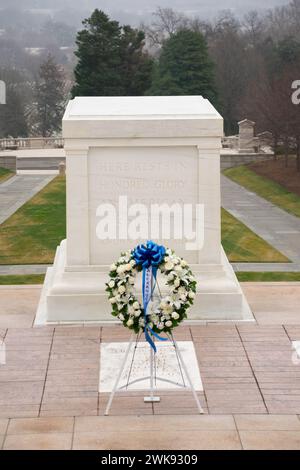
(206, 7)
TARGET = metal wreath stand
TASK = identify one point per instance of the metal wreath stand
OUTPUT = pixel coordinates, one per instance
(152, 377)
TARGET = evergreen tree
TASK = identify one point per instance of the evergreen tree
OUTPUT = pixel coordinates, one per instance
(50, 98)
(12, 114)
(111, 60)
(184, 67)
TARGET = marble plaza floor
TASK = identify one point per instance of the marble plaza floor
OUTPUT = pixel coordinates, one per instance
(250, 372)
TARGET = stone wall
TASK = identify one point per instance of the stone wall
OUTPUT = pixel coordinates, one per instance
(231, 160)
(9, 162)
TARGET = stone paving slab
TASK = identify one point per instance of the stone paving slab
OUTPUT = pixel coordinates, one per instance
(49, 386)
(20, 269)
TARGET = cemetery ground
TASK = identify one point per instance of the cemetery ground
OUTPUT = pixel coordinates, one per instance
(272, 181)
(40, 226)
(5, 174)
(49, 396)
(49, 386)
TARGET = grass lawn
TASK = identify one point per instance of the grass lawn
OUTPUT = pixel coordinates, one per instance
(5, 174)
(21, 279)
(242, 277)
(268, 277)
(265, 188)
(31, 235)
(243, 245)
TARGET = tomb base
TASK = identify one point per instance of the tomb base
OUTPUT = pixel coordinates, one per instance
(77, 294)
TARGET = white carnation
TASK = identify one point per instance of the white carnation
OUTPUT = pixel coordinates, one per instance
(131, 310)
(169, 266)
(120, 269)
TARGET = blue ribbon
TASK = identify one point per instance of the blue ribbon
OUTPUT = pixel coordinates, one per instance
(149, 257)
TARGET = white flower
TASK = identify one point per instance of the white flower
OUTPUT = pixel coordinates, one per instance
(178, 268)
(131, 280)
(120, 269)
(183, 263)
(177, 283)
(131, 310)
(168, 323)
(191, 295)
(137, 313)
(177, 304)
(111, 284)
(113, 300)
(132, 263)
(170, 276)
(136, 305)
(122, 289)
(182, 290)
(113, 267)
(142, 322)
(175, 315)
(183, 297)
(167, 309)
(127, 267)
(129, 322)
(121, 317)
(169, 266)
(160, 326)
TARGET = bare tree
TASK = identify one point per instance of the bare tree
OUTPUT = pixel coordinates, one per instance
(166, 22)
(253, 24)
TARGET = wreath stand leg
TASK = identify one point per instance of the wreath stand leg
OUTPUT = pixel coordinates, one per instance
(151, 398)
(115, 388)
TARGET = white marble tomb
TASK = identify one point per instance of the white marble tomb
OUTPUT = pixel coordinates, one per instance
(153, 150)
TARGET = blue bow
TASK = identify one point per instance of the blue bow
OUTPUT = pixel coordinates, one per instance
(149, 256)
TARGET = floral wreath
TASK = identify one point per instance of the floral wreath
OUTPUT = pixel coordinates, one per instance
(167, 311)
